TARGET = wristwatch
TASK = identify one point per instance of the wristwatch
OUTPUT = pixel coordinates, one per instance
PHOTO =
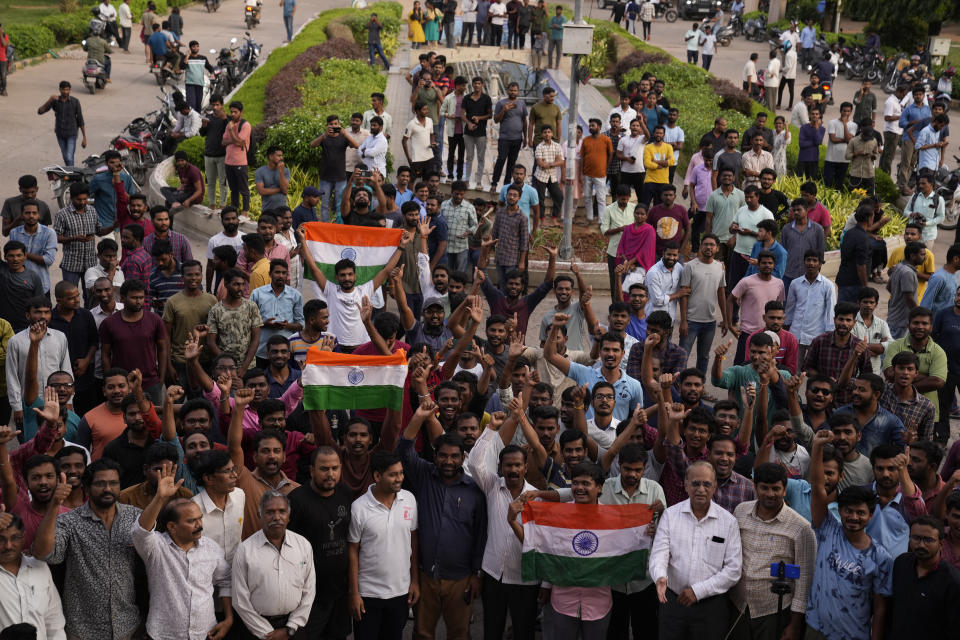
(291, 632)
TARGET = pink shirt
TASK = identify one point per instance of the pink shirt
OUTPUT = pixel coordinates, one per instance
(237, 155)
(753, 293)
(820, 215)
(278, 251)
(251, 422)
(31, 519)
(586, 603)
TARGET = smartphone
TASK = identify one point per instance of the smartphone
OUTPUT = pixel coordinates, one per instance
(791, 571)
(336, 129)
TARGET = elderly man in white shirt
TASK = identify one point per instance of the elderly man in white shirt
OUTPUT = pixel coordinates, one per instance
(27, 592)
(183, 567)
(373, 150)
(273, 575)
(695, 559)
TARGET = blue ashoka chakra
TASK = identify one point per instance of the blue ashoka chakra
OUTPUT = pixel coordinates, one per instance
(355, 376)
(348, 254)
(586, 543)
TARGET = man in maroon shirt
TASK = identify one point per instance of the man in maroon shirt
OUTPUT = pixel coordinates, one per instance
(670, 221)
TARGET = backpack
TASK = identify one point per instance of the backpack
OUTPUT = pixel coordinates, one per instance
(251, 148)
(913, 200)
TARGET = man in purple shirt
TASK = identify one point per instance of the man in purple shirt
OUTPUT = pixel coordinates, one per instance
(510, 304)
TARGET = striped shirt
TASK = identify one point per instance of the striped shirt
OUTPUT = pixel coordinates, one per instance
(461, 218)
(78, 256)
(163, 287)
(181, 246)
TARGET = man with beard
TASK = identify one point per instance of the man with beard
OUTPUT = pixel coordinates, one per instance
(355, 206)
(273, 575)
(233, 324)
(450, 507)
(924, 460)
(932, 360)
(833, 352)
(22, 575)
(819, 405)
(657, 345)
(162, 223)
(40, 475)
(578, 326)
(344, 297)
(628, 390)
(787, 355)
(509, 301)
(901, 398)
(696, 427)
(181, 592)
(926, 587)
(320, 512)
(695, 556)
(105, 422)
(316, 319)
(634, 603)
(131, 446)
(698, 312)
(140, 495)
(572, 445)
(770, 531)
(663, 282)
(898, 499)
(878, 426)
(851, 579)
(280, 306)
(33, 399)
(760, 370)
(96, 541)
(618, 319)
(268, 458)
(196, 416)
(182, 312)
(847, 432)
(432, 329)
(498, 468)
(751, 294)
(73, 462)
(221, 504)
(383, 548)
(230, 236)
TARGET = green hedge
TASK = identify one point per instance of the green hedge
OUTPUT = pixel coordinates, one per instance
(68, 28)
(30, 40)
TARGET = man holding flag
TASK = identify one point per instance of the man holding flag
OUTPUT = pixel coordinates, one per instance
(360, 258)
(695, 558)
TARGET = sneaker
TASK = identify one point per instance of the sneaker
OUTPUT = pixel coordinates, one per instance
(955, 413)
(473, 186)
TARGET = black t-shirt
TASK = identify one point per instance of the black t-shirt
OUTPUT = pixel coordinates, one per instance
(776, 202)
(325, 523)
(333, 167)
(15, 290)
(921, 607)
(854, 250)
(482, 106)
(213, 145)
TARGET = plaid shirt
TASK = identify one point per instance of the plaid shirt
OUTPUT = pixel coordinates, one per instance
(137, 265)
(613, 168)
(549, 153)
(729, 493)
(513, 236)
(671, 478)
(828, 359)
(461, 218)
(673, 359)
(181, 246)
(787, 537)
(164, 287)
(77, 256)
(918, 412)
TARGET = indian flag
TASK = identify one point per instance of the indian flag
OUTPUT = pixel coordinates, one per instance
(346, 381)
(369, 248)
(585, 545)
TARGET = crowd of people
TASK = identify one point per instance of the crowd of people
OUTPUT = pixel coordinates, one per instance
(162, 478)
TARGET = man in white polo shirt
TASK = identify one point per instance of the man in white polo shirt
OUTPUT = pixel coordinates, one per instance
(382, 578)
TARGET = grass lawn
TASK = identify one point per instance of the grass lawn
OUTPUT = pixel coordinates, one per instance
(26, 11)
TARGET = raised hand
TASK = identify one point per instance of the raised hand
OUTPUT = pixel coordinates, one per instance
(62, 492)
(135, 381)
(574, 267)
(722, 348)
(552, 251)
(511, 324)
(427, 407)
(424, 228)
(51, 406)
(516, 345)
(666, 380)
(166, 486)
(174, 393)
(191, 347)
(202, 331)
(794, 382)
(497, 418)
(586, 295)
(676, 412)
(225, 384)
(516, 406)
(639, 416)
(486, 359)
(748, 393)
(327, 343)
(822, 437)
(242, 398)
(560, 319)
(366, 310)
(7, 434)
(37, 331)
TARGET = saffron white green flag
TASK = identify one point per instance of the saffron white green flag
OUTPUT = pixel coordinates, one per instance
(346, 381)
(370, 248)
(585, 545)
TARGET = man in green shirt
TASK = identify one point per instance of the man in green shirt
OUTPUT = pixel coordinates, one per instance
(761, 370)
(544, 112)
(932, 370)
(556, 38)
(721, 209)
(864, 102)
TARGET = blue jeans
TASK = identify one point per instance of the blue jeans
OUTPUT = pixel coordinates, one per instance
(702, 333)
(288, 23)
(459, 261)
(376, 49)
(898, 332)
(438, 150)
(786, 285)
(328, 188)
(848, 293)
(68, 146)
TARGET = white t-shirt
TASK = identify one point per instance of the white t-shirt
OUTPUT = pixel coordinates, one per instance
(497, 11)
(837, 151)
(695, 36)
(797, 462)
(793, 37)
(892, 108)
(772, 78)
(222, 239)
(626, 117)
(603, 437)
(631, 146)
(419, 140)
(345, 320)
(746, 219)
(709, 45)
(672, 136)
(790, 65)
(385, 544)
(749, 71)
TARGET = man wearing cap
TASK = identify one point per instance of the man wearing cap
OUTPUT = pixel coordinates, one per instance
(307, 210)
(432, 329)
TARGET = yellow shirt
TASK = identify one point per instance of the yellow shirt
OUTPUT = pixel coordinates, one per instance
(896, 257)
(651, 154)
(260, 274)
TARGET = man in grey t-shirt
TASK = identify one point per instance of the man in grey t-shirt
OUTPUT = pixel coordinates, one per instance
(903, 288)
(273, 180)
(511, 114)
(698, 311)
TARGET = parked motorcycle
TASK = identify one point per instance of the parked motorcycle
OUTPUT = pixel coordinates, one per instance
(61, 177)
(249, 55)
(756, 29)
(94, 75)
(668, 13)
(163, 75)
(141, 142)
(729, 31)
(251, 13)
(944, 90)
(808, 58)
(946, 185)
(212, 5)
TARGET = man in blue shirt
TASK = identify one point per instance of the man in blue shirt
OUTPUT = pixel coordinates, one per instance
(767, 241)
(929, 144)
(879, 425)
(942, 286)
(103, 193)
(808, 36)
(289, 8)
(899, 499)
(913, 114)
(556, 38)
(162, 46)
(853, 573)
(529, 202)
(306, 211)
(946, 332)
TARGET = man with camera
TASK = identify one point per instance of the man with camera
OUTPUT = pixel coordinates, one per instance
(772, 535)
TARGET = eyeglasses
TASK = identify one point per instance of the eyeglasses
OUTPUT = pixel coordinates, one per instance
(701, 484)
(232, 471)
(61, 385)
(922, 539)
(227, 367)
(603, 396)
(820, 392)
